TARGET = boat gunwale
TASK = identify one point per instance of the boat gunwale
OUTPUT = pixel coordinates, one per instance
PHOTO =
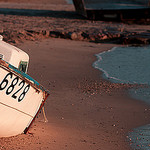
(5, 65)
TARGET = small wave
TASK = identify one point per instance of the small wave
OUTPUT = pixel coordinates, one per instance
(125, 64)
(106, 74)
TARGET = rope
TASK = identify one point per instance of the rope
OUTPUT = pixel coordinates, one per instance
(44, 115)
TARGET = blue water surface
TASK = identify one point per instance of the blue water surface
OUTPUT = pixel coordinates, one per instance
(129, 65)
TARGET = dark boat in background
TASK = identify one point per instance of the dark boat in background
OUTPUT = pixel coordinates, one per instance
(113, 9)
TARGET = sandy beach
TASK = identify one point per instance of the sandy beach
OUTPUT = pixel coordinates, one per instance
(76, 120)
(80, 115)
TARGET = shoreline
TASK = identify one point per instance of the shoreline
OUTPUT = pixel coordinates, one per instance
(138, 137)
(76, 120)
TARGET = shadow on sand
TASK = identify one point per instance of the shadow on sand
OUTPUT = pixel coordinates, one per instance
(40, 13)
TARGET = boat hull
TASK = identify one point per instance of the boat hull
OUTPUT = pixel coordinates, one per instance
(21, 98)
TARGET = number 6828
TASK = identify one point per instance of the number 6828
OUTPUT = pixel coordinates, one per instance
(10, 88)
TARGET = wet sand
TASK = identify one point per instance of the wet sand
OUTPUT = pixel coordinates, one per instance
(78, 118)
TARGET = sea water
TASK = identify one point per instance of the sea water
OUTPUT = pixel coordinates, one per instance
(129, 65)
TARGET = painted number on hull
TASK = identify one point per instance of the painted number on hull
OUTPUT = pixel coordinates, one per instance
(10, 89)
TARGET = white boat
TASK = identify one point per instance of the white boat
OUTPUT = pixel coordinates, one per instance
(14, 55)
(21, 98)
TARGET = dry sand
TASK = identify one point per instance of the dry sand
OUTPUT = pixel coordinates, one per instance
(35, 20)
(76, 120)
